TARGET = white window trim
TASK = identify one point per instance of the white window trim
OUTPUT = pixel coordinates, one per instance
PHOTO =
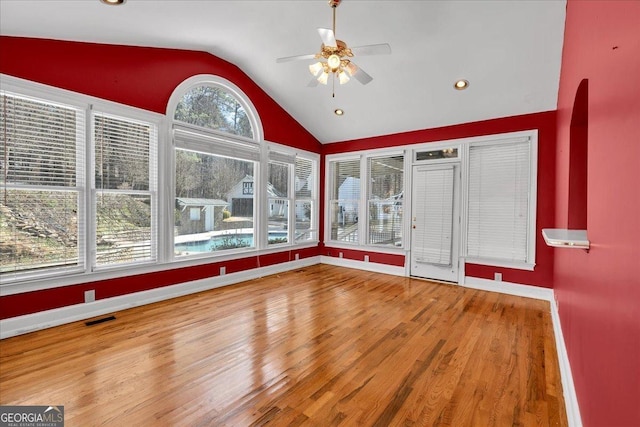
(143, 117)
(259, 172)
(65, 276)
(363, 157)
(23, 282)
(462, 144)
(315, 213)
(532, 137)
(241, 97)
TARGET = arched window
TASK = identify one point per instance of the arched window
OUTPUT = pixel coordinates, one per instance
(217, 148)
(214, 107)
(213, 103)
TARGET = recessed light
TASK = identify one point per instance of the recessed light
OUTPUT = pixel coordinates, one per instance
(113, 2)
(338, 112)
(461, 84)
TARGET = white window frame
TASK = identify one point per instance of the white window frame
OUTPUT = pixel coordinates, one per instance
(12, 283)
(532, 137)
(25, 282)
(132, 115)
(283, 154)
(21, 89)
(409, 151)
(363, 203)
(216, 143)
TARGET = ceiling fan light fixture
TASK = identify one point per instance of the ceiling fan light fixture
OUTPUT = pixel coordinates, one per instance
(323, 78)
(343, 77)
(338, 112)
(113, 2)
(316, 68)
(334, 62)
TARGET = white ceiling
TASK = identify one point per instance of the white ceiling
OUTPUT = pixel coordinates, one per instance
(509, 50)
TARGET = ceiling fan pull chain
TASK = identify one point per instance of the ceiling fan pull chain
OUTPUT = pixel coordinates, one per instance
(333, 82)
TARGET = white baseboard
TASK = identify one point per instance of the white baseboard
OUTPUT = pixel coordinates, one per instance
(509, 288)
(59, 316)
(568, 388)
(362, 265)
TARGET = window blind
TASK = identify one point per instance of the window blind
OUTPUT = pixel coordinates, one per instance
(124, 175)
(277, 156)
(432, 236)
(304, 199)
(42, 184)
(204, 142)
(498, 201)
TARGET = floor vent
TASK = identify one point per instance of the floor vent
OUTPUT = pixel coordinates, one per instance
(104, 319)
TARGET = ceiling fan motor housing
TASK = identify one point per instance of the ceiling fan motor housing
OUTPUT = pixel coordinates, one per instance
(334, 3)
(341, 50)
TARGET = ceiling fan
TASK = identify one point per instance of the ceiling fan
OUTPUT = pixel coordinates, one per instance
(335, 56)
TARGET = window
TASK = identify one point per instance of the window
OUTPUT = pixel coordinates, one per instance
(306, 171)
(501, 202)
(439, 154)
(278, 202)
(386, 189)
(216, 159)
(215, 185)
(380, 178)
(291, 198)
(81, 186)
(214, 108)
(43, 185)
(125, 190)
(50, 186)
(344, 200)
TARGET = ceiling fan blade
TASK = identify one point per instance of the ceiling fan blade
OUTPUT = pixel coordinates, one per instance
(296, 58)
(359, 74)
(327, 36)
(372, 49)
(313, 82)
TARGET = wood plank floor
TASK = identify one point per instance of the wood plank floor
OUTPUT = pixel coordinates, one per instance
(320, 346)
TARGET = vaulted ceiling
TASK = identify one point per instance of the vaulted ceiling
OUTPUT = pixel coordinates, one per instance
(509, 51)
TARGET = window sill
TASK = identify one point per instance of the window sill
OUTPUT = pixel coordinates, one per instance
(564, 238)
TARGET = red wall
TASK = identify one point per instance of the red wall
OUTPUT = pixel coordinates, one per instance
(599, 292)
(144, 78)
(546, 125)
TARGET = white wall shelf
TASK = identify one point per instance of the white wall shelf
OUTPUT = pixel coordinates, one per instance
(563, 238)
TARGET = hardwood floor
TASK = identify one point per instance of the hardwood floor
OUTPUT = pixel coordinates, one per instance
(320, 346)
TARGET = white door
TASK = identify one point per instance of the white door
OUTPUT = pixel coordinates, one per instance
(435, 221)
